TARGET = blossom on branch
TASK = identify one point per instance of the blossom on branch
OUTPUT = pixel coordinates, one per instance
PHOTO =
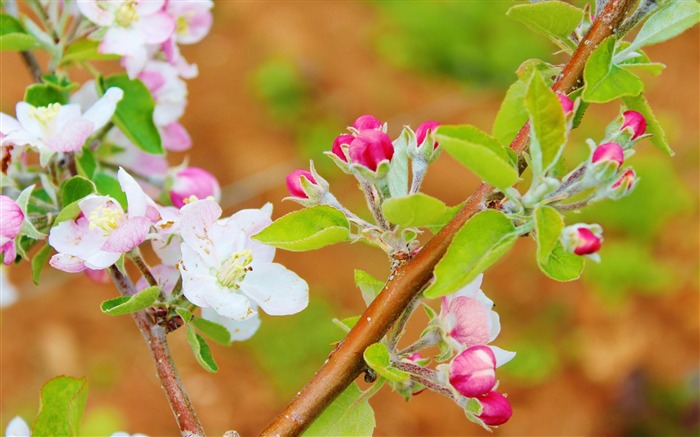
(11, 219)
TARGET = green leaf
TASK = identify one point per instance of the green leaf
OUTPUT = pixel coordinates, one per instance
(554, 19)
(61, 83)
(512, 114)
(418, 210)
(605, 81)
(85, 50)
(13, 37)
(40, 94)
(134, 114)
(378, 358)
(480, 153)
(75, 189)
(548, 224)
(201, 350)
(369, 286)
(130, 304)
(39, 261)
(61, 408)
(213, 330)
(398, 169)
(307, 229)
(185, 314)
(548, 125)
(640, 104)
(108, 185)
(349, 415)
(562, 265)
(671, 20)
(481, 242)
(347, 323)
(86, 163)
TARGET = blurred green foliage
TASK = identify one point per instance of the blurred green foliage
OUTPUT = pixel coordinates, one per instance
(281, 88)
(470, 41)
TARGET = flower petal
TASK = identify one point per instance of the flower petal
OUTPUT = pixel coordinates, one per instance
(277, 290)
(238, 329)
(67, 263)
(103, 109)
(72, 136)
(128, 235)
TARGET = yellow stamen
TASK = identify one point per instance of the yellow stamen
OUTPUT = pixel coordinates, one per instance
(126, 14)
(105, 218)
(234, 269)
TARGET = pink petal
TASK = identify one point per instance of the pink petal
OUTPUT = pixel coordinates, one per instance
(67, 263)
(72, 136)
(128, 235)
(156, 28)
(175, 137)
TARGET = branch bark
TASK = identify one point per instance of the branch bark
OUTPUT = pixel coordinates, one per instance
(346, 363)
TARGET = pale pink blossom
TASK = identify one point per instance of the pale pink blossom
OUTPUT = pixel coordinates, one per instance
(193, 19)
(11, 219)
(168, 90)
(175, 58)
(193, 183)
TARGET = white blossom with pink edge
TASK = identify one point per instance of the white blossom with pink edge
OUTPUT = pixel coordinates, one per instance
(224, 269)
(103, 231)
(57, 128)
(11, 219)
(131, 26)
(193, 19)
(467, 319)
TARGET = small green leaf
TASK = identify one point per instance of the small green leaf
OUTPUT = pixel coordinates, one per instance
(605, 81)
(368, 285)
(75, 189)
(481, 242)
(671, 20)
(347, 323)
(85, 50)
(39, 261)
(61, 408)
(186, 315)
(134, 114)
(108, 185)
(349, 415)
(640, 104)
(512, 114)
(201, 350)
(213, 330)
(307, 229)
(548, 125)
(61, 83)
(480, 153)
(86, 163)
(562, 265)
(13, 37)
(378, 358)
(40, 94)
(554, 19)
(398, 169)
(130, 304)
(417, 210)
(548, 224)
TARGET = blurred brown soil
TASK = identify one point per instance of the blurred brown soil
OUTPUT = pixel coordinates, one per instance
(58, 329)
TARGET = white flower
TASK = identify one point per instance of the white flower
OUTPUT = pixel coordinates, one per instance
(224, 269)
(17, 428)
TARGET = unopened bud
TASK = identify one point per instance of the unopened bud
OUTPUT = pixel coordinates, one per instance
(370, 148)
(11, 219)
(294, 184)
(496, 409)
(367, 122)
(582, 239)
(473, 372)
(566, 103)
(609, 152)
(636, 122)
(338, 142)
(422, 132)
(193, 181)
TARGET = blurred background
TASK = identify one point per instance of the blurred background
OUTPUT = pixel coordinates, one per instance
(616, 353)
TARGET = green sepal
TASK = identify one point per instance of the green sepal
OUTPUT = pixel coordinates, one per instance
(40, 94)
(481, 242)
(186, 315)
(75, 189)
(348, 415)
(121, 305)
(548, 224)
(201, 350)
(134, 113)
(61, 407)
(39, 261)
(418, 210)
(13, 36)
(480, 153)
(369, 286)
(562, 265)
(377, 357)
(306, 229)
(213, 330)
(605, 81)
(85, 50)
(548, 125)
(554, 19)
(640, 104)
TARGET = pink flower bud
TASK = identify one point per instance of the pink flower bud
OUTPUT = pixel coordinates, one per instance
(587, 243)
(566, 103)
(294, 183)
(422, 131)
(609, 152)
(11, 218)
(626, 180)
(193, 181)
(473, 372)
(496, 409)
(636, 121)
(340, 140)
(370, 148)
(365, 122)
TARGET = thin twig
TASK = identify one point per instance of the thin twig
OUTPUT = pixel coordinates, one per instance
(345, 363)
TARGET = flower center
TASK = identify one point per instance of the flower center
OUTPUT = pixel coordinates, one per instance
(234, 269)
(181, 26)
(45, 114)
(105, 217)
(126, 14)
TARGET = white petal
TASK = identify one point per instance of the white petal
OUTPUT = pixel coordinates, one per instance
(101, 112)
(277, 290)
(17, 428)
(94, 13)
(29, 123)
(502, 356)
(230, 304)
(136, 199)
(239, 330)
(8, 292)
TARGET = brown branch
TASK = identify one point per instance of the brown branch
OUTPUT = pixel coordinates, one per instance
(179, 401)
(345, 363)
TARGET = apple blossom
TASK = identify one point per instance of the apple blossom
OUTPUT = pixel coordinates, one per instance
(496, 409)
(193, 183)
(17, 428)
(294, 183)
(224, 269)
(168, 90)
(11, 219)
(583, 239)
(370, 148)
(626, 181)
(193, 19)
